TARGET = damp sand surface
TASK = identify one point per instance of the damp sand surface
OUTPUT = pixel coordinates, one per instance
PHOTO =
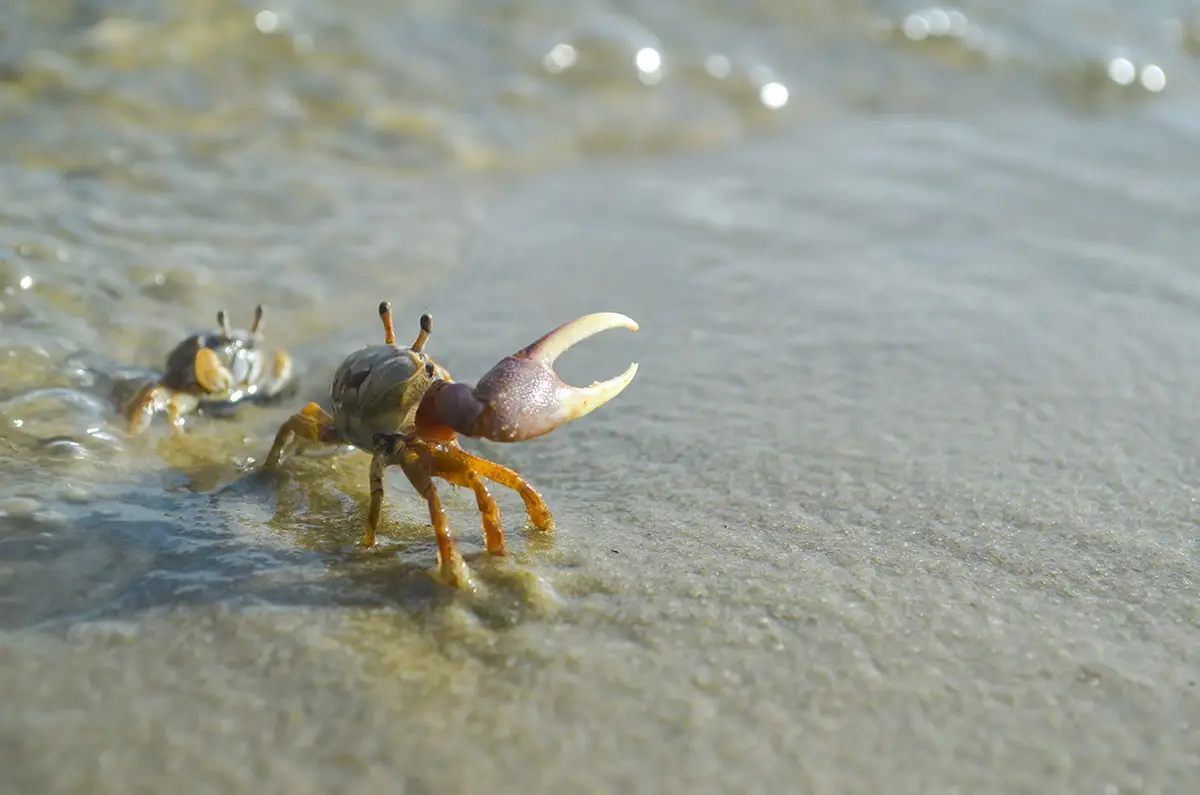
(901, 499)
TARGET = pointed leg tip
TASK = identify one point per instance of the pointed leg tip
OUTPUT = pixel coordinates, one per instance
(455, 574)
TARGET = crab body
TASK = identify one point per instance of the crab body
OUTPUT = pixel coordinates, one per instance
(213, 369)
(375, 391)
(403, 408)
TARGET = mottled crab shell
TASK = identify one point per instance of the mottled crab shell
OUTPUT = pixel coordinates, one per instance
(237, 353)
(378, 389)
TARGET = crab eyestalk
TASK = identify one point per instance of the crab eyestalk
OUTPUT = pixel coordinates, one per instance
(522, 397)
(423, 334)
(389, 329)
(223, 323)
(258, 319)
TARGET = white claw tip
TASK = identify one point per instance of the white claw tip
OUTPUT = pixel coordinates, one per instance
(580, 401)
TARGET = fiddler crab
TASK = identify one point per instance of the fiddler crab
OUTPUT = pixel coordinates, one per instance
(403, 408)
(216, 368)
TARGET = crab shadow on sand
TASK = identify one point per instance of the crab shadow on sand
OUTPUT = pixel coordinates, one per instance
(212, 528)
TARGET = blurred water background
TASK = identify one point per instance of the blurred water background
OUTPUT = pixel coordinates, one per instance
(901, 501)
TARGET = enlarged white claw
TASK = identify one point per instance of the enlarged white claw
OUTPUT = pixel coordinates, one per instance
(553, 344)
(522, 397)
(211, 375)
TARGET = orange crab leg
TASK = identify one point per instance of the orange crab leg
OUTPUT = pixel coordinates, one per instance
(312, 424)
(489, 515)
(493, 530)
(154, 398)
(425, 459)
(455, 465)
(141, 409)
(449, 560)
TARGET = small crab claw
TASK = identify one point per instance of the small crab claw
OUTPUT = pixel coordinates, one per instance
(522, 397)
(211, 375)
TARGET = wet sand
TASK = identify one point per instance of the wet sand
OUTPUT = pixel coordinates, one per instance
(864, 522)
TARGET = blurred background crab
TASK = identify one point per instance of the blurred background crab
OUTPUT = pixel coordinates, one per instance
(213, 369)
(403, 408)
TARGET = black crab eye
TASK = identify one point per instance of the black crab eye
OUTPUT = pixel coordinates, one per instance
(429, 369)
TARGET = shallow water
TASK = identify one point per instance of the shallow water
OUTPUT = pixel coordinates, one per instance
(901, 499)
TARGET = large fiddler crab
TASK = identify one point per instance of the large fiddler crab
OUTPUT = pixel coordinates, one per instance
(403, 408)
(216, 368)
